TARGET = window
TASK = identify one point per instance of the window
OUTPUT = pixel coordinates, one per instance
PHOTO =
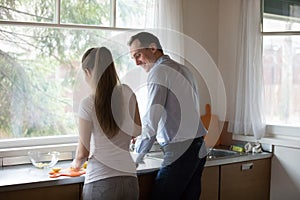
(281, 61)
(41, 44)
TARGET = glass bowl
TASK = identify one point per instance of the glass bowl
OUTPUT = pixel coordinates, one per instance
(43, 159)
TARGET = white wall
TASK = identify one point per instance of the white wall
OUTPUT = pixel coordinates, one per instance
(228, 23)
(213, 24)
(285, 173)
(200, 22)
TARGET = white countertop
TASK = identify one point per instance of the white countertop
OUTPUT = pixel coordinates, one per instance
(27, 176)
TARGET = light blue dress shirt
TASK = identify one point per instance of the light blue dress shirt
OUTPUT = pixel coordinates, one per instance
(172, 113)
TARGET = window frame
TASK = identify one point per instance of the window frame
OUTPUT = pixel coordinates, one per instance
(282, 135)
(18, 147)
(275, 134)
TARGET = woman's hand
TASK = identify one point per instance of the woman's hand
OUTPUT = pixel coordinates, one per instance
(76, 164)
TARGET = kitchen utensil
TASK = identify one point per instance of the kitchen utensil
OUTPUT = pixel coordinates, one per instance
(67, 172)
(43, 159)
(211, 123)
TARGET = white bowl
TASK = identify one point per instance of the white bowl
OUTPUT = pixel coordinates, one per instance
(43, 159)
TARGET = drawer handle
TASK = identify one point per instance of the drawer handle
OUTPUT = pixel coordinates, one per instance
(247, 166)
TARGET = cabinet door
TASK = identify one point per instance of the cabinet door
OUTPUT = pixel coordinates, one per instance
(210, 183)
(146, 182)
(246, 180)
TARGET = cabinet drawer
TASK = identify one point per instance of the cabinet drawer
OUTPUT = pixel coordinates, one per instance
(246, 180)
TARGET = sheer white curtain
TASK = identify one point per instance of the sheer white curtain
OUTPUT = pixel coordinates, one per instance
(165, 21)
(249, 114)
(168, 14)
(168, 24)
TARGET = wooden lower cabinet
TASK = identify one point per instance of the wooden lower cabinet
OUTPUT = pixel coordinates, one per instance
(72, 191)
(210, 183)
(61, 192)
(245, 180)
(146, 182)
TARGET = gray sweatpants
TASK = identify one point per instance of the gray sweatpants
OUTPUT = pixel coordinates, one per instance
(114, 188)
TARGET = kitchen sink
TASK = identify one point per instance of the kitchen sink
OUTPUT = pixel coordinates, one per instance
(212, 153)
(156, 155)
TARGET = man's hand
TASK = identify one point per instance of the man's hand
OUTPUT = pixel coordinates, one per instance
(138, 158)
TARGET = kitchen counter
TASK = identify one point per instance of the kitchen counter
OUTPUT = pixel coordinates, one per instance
(27, 176)
(243, 157)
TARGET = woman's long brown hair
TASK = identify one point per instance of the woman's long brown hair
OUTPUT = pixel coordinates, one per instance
(100, 61)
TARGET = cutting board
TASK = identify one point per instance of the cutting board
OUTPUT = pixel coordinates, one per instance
(211, 123)
(67, 172)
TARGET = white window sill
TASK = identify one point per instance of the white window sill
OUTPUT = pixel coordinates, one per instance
(276, 135)
(15, 151)
(37, 141)
(16, 156)
(272, 140)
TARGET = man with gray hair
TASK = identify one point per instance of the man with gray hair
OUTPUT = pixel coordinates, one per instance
(172, 118)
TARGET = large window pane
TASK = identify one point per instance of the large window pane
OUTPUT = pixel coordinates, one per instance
(40, 83)
(135, 13)
(27, 10)
(92, 12)
(282, 71)
(281, 61)
(39, 77)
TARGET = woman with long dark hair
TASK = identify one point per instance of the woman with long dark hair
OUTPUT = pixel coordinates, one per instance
(108, 119)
